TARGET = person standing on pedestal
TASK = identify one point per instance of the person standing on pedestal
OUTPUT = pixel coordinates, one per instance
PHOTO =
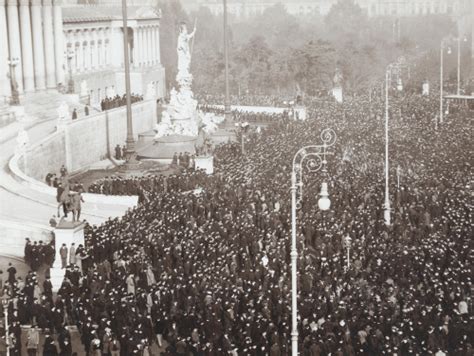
(63, 254)
(11, 273)
(32, 341)
(72, 254)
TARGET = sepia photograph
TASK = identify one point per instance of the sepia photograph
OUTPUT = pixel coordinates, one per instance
(236, 177)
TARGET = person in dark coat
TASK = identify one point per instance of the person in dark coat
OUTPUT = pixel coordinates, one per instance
(49, 346)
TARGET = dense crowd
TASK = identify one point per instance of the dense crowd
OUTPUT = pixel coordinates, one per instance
(202, 265)
(246, 116)
(118, 101)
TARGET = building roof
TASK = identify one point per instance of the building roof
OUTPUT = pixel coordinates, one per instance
(94, 13)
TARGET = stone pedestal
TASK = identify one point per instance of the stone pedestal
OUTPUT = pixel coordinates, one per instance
(337, 93)
(300, 112)
(66, 232)
(426, 88)
(206, 163)
(166, 147)
(19, 112)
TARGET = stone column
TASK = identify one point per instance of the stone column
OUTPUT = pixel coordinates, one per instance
(59, 46)
(4, 68)
(147, 46)
(100, 46)
(157, 45)
(86, 54)
(141, 47)
(14, 40)
(92, 53)
(26, 47)
(152, 45)
(135, 47)
(105, 47)
(38, 48)
(49, 44)
(116, 47)
(79, 50)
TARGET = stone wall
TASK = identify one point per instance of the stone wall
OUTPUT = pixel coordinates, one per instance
(86, 140)
(47, 156)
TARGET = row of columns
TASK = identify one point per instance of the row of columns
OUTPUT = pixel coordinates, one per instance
(88, 49)
(31, 32)
(146, 45)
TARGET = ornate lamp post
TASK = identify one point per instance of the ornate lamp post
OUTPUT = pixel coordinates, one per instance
(441, 79)
(70, 55)
(15, 98)
(459, 63)
(387, 193)
(316, 159)
(130, 141)
(388, 78)
(347, 245)
(5, 303)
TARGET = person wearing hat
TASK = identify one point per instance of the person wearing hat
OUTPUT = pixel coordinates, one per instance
(32, 341)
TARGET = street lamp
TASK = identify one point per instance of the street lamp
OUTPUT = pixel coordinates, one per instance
(226, 60)
(316, 155)
(347, 245)
(70, 55)
(387, 193)
(458, 39)
(130, 162)
(441, 78)
(15, 98)
(5, 303)
(441, 71)
(244, 126)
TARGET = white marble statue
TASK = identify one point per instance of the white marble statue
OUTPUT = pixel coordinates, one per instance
(84, 89)
(181, 116)
(150, 92)
(184, 52)
(63, 114)
(63, 111)
(210, 122)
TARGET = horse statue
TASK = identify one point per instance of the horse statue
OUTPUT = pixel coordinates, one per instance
(69, 200)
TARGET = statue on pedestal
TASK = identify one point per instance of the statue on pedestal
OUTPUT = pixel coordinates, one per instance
(338, 78)
(84, 89)
(63, 114)
(184, 52)
(181, 116)
(150, 92)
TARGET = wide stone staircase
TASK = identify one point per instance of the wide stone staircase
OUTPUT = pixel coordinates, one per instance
(43, 106)
(6, 116)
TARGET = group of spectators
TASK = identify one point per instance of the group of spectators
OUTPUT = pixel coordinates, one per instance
(118, 101)
(202, 265)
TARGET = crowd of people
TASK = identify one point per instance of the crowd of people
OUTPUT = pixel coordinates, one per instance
(118, 101)
(202, 265)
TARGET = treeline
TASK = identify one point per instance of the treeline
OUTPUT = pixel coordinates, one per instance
(279, 53)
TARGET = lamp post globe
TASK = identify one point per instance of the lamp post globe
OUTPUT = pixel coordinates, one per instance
(324, 203)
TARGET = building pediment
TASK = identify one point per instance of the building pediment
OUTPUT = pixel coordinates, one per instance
(147, 12)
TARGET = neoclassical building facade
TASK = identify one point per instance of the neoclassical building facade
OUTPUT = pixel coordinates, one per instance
(49, 43)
